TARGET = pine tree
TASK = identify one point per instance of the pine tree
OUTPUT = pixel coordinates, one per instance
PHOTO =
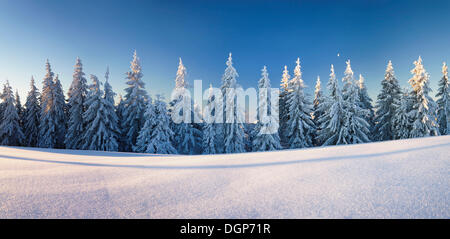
(112, 121)
(60, 110)
(401, 120)
(76, 108)
(100, 133)
(366, 104)
(284, 116)
(355, 127)
(266, 136)
(10, 129)
(52, 124)
(187, 136)
(331, 121)
(386, 107)
(19, 109)
(120, 109)
(423, 107)
(156, 134)
(443, 102)
(134, 105)
(300, 125)
(233, 130)
(32, 116)
(210, 140)
(145, 134)
(318, 111)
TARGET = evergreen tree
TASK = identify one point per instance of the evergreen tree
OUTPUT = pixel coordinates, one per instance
(19, 109)
(32, 116)
(318, 111)
(423, 107)
(233, 130)
(210, 140)
(52, 123)
(120, 109)
(156, 134)
(134, 105)
(331, 121)
(100, 133)
(10, 129)
(300, 125)
(111, 116)
(76, 107)
(187, 137)
(266, 130)
(60, 110)
(284, 116)
(355, 127)
(401, 120)
(443, 102)
(366, 104)
(386, 107)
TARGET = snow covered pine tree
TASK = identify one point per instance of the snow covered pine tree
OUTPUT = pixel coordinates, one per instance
(10, 131)
(387, 101)
(443, 102)
(155, 136)
(134, 105)
(76, 107)
(186, 138)
(423, 111)
(100, 133)
(355, 127)
(300, 124)
(265, 136)
(52, 124)
(233, 129)
(32, 116)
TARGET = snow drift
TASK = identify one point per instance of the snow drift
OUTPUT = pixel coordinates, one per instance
(394, 179)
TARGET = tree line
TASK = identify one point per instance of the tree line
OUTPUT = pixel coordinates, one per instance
(89, 118)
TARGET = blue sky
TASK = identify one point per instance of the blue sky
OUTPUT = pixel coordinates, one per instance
(272, 33)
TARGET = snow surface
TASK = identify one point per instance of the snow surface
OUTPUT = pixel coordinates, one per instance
(394, 179)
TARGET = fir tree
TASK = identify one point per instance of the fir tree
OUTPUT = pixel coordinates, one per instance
(32, 116)
(423, 107)
(233, 130)
(210, 140)
(145, 134)
(187, 137)
(401, 120)
(355, 127)
(443, 102)
(10, 129)
(19, 109)
(386, 107)
(120, 109)
(134, 105)
(366, 104)
(99, 133)
(52, 124)
(318, 111)
(76, 107)
(60, 111)
(284, 116)
(300, 125)
(266, 130)
(112, 120)
(331, 121)
(156, 134)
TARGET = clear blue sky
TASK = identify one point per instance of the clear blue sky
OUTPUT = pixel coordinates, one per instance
(272, 33)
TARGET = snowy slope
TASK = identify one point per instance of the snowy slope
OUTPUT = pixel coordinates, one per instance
(396, 179)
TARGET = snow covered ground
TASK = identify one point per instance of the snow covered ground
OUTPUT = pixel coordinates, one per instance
(396, 179)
